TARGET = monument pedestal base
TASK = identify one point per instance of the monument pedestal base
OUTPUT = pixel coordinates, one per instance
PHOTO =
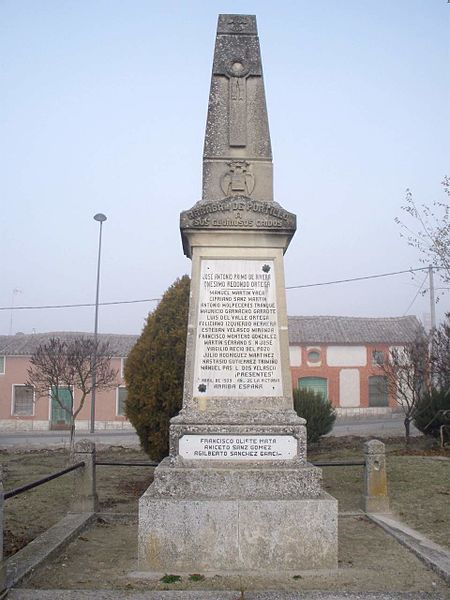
(237, 536)
(210, 515)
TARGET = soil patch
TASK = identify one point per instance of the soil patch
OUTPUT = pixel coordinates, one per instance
(31, 513)
(418, 481)
(369, 560)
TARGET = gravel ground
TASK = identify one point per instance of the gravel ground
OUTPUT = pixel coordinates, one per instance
(369, 561)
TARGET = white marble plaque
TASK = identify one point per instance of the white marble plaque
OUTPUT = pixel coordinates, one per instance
(238, 447)
(237, 345)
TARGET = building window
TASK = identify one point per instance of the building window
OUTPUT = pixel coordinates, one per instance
(122, 394)
(2, 365)
(23, 401)
(122, 366)
(377, 358)
(313, 356)
(378, 391)
(316, 384)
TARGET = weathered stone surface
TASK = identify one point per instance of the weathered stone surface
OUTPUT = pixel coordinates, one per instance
(247, 427)
(185, 534)
(237, 535)
(375, 498)
(218, 506)
(240, 213)
(26, 594)
(244, 246)
(301, 532)
(84, 497)
(237, 154)
(230, 414)
(435, 556)
(242, 481)
(53, 540)
(237, 159)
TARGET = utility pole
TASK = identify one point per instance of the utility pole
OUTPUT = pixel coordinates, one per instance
(13, 298)
(433, 324)
(432, 300)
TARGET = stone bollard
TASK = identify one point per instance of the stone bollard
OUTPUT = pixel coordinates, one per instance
(2, 563)
(375, 498)
(84, 498)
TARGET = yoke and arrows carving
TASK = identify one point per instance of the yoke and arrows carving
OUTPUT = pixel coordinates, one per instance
(238, 180)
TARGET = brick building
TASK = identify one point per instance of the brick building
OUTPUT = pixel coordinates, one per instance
(21, 410)
(338, 356)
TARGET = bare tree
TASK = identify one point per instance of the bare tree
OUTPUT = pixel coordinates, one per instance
(68, 365)
(427, 228)
(407, 370)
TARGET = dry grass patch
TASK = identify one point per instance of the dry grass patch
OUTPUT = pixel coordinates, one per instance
(418, 479)
(31, 513)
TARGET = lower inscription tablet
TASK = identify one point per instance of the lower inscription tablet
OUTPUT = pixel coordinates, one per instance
(238, 447)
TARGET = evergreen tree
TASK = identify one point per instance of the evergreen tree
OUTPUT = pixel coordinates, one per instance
(318, 412)
(433, 412)
(154, 370)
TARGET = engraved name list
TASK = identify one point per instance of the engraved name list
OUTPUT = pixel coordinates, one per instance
(237, 350)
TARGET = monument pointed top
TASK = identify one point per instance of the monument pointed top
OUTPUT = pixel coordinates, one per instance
(237, 187)
(237, 127)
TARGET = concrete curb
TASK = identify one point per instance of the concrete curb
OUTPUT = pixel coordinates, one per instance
(24, 594)
(434, 556)
(23, 562)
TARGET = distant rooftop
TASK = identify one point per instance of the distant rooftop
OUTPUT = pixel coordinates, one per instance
(353, 330)
(302, 330)
(25, 344)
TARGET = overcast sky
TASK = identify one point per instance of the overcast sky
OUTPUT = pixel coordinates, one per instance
(103, 110)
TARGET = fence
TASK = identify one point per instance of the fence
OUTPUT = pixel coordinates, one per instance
(85, 500)
(38, 482)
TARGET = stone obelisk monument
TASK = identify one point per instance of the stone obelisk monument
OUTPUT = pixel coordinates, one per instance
(236, 493)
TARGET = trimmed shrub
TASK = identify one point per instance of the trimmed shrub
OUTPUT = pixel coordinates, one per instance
(154, 370)
(318, 412)
(429, 414)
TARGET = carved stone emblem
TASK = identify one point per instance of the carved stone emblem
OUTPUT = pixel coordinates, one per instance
(239, 23)
(238, 180)
(238, 68)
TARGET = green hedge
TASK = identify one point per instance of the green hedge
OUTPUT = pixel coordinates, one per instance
(432, 411)
(154, 370)
(318, 412)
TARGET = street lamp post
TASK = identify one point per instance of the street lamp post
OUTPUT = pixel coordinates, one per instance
(100, 217)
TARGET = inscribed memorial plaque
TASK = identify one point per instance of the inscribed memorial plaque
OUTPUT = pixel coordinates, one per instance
(237, 347)
(238, 447)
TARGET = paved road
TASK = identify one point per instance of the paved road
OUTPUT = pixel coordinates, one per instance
(379, 427)
(44, 439)
(376, 426)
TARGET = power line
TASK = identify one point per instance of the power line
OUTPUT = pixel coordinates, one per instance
(417, 293)
(78, 305)
(291, 287)
(296, 287)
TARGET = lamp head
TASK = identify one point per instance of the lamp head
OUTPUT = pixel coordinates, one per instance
(100, 217)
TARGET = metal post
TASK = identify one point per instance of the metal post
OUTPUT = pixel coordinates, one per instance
(100, 218)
